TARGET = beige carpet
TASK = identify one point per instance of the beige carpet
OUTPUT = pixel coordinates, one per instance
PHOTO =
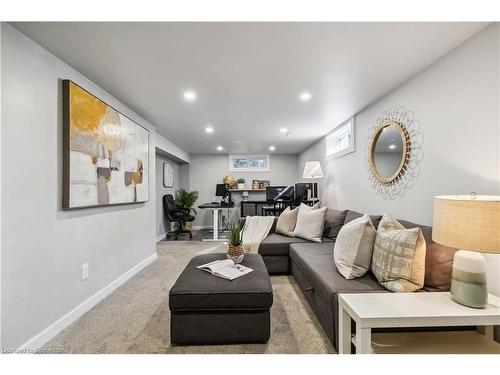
(135, 319)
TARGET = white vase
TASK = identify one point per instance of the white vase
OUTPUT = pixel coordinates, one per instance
(241, 186)
(236, 258)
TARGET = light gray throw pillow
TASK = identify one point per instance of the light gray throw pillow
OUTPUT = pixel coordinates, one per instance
(286, 222)
(310, 223)
(353, 247)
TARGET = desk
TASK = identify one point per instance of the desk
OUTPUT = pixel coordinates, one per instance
(215, 207)
(264, 202)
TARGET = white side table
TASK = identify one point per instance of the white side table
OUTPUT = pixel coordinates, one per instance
(396, 310)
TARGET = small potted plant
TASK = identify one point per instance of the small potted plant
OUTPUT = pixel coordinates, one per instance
(185, 200)
(235, 249)
(241, 183)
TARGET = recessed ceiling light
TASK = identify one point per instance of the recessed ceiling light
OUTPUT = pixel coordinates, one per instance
(392, 147)
(284, 130)
(272, 148)
(305, 96)
(220, 148)
(189, 96)
(209, 129)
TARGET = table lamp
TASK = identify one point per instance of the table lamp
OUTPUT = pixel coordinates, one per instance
(313, 170)
(469, 222)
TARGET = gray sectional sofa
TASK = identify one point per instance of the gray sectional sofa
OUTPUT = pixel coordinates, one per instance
(314, 269)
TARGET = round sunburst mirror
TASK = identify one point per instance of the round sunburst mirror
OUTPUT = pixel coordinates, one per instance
(389, 151)
(394, 150)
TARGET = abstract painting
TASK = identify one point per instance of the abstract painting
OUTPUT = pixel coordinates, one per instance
(106, 154)
(168, 175)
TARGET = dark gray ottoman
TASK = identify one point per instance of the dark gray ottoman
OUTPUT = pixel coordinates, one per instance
(206, 309)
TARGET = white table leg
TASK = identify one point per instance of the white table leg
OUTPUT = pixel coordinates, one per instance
(363, 340)
(486, 330)
(216, 224)
(344, 331)
(215, 237)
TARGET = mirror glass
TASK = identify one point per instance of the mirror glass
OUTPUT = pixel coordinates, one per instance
(388, 151)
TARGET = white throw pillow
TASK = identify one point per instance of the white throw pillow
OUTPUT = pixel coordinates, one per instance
(398, 260)
(310, 223)
(286, 222)
(353, 247)
(305, 208)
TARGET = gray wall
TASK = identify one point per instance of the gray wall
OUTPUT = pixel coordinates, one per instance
(457, 101)
(205, 171)
(43, 247)
(162, 224)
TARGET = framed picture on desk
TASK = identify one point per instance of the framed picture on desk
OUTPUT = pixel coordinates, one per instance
(265, 184)
(260, 184)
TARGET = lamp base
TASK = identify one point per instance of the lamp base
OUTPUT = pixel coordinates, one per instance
(468, 283)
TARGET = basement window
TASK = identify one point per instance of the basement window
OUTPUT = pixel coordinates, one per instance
(341, 140)
(249, 163)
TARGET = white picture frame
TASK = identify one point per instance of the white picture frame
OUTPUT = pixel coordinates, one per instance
(248, 162)
(168, 175)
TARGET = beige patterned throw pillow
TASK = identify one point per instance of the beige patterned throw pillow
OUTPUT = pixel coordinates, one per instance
(398, 260)
(353, 247)
(286, 222)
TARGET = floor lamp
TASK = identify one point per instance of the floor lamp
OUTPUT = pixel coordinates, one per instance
(312, 170)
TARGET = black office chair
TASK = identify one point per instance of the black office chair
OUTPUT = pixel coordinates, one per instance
(176, 215)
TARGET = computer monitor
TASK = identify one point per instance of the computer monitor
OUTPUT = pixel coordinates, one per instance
(272, 192)
(221, 190)
(301, 191)
(287, 194)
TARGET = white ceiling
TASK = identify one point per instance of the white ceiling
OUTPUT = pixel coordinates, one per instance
(248, 76)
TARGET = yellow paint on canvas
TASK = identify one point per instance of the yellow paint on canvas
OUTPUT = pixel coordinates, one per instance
(86, 110)
(89, 115)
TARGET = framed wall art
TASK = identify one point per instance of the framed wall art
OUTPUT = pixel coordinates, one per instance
(249, 163)
(105, 154)
(168, 175)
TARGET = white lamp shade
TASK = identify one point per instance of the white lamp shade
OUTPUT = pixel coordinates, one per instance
(467, 222)
(312, 169)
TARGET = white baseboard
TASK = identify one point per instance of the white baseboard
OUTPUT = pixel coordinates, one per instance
(161, 237)
(51, 331)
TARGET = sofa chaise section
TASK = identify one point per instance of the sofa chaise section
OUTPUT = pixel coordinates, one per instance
(275, 250)
(313, 268)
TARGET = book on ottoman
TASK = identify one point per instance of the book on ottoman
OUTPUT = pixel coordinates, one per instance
(226, 269)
